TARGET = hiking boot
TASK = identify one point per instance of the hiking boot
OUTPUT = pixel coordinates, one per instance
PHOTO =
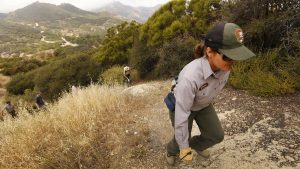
(204, 153)
(170, 159)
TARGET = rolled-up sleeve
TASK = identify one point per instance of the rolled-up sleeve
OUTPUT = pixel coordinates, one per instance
(185, 94)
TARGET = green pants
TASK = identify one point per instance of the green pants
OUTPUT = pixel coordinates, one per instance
(209, 126)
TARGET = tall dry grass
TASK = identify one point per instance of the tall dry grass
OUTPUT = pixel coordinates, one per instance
(93, 128)
(3, 80)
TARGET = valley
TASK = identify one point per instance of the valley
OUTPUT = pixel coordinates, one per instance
(24, 31)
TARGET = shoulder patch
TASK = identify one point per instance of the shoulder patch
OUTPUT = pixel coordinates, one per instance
(239, 35)
(203, 86)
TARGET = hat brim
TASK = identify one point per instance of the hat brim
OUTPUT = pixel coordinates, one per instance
(239, 53)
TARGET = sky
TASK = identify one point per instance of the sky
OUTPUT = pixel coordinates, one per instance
(11, 5)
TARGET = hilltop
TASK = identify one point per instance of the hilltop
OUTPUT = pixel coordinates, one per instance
(140, 14)
(37, 12)
(109, 127)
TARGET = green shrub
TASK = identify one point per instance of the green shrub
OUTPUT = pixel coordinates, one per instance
(58, 76)
(20, 82)
(29, 95)
(173, 56)
(114, 75)
(14, 66)
(266, 74)
(143, 58)
(117, 44)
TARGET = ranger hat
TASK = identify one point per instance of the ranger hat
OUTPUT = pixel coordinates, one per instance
(228, 39)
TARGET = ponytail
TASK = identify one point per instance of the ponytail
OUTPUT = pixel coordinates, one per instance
(199, 50)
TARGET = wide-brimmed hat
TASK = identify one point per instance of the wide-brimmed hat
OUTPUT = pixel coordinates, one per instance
(228, 39)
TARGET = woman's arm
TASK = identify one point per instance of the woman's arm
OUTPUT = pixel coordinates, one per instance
(185, 94)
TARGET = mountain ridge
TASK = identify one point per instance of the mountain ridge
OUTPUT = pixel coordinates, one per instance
(140, 13)
(47, 12)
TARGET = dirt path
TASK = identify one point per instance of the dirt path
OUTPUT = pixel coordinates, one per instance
(259, 132)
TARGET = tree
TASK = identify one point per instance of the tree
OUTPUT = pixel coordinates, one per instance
(177, 18)
(117, 43)
(267, 23)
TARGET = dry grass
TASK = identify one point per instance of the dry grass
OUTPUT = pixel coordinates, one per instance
(94, 128)
(3, 80)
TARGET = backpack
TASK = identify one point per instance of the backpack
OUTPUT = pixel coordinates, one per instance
(170, 99)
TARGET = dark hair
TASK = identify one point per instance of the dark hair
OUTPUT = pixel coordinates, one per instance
(199, 50)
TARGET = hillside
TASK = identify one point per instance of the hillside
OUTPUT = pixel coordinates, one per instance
(100, 127)
(2, 15)
(41, 26)
(140, 14)
(37, 12)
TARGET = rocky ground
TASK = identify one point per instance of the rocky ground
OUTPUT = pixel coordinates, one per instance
(259, 132)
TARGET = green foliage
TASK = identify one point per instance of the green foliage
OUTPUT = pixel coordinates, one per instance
(13, 66)
(272, 27)
(143, 58)
(266, 23)
(91, 41)
(266, 74)
(152, 30)
(112, 76)
(176, 28)
(176, 19)
(19, 83)
(203, 14)
(29, 95)
(115, 47)
(174, 56)
(17, 31)
(56, 77)
(87, 45)
(17, 38)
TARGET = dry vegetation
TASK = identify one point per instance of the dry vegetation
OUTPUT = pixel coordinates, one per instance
(109, 127)
(89, 129)
(3, 81)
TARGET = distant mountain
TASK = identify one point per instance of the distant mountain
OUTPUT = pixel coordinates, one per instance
(75, 10)
(3, 15)
(140, 14)
(37, 11)
(44, 25)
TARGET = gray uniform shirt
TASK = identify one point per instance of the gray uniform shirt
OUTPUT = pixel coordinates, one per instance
(197, 86)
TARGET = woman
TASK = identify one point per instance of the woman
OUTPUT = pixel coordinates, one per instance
(199, 82)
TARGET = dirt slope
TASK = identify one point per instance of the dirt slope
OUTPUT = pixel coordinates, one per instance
(259, 132)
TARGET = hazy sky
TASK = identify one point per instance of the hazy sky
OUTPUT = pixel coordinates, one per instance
(11, 5)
